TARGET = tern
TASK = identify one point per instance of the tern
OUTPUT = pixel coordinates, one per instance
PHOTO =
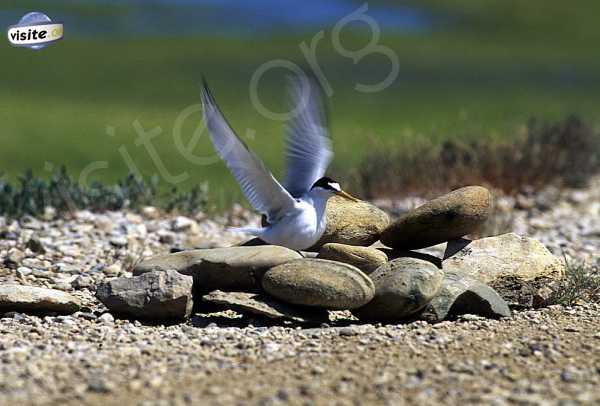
(295, 211)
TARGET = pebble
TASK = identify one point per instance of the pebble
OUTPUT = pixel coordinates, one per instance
(150, 212)
(23, 271)
(106, 318)
(181, 223)
(119, 241)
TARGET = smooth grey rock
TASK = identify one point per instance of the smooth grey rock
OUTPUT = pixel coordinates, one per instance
(154, 296)
(515, 266)
(402, 287)
(448, 217)
(319, 282)
(228, 269)
(264, 305)
(366, 259)
(30, 299)
(464, 295)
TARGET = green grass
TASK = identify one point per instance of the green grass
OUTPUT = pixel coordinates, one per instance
(483, 74)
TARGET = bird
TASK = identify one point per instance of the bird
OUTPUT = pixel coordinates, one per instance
(295, 210)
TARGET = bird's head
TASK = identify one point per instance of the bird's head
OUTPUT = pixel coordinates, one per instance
(329, 187)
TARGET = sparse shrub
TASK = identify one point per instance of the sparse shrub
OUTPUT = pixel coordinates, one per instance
(581, 284)
(566, 154)
(32, 194)
(188, 201)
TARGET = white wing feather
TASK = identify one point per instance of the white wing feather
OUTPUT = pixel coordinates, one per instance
(259, 186)
(308, 151)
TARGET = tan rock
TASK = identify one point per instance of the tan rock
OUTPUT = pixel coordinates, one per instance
(448, 217)
(320, 283)
(31, 299)
(352, 223)
(511, 264)
(366, 259)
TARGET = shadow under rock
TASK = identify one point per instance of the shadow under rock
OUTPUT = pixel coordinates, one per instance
(221, 315)
(241, 320)
(395, 254)
(253, 242)
(454, 246)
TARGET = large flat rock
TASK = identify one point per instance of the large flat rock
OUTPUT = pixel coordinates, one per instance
(515, 266)
(31, 299)
(228, 269)
(264, 305)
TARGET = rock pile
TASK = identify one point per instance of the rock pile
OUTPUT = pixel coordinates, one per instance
(345, 271)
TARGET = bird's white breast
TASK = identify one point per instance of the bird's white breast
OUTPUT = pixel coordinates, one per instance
(299, 229)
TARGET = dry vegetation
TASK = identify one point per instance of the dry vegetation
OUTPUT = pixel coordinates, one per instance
(581, 284)
(566, 153)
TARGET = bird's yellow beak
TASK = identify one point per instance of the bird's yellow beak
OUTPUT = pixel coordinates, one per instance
(347, 196)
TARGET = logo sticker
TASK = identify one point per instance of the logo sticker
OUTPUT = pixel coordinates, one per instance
(35, 30)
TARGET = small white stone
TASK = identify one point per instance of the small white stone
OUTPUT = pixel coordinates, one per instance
(181, 223)
(119, 241)
(106, 318)
(113, 269)
(150, 212)
(23, 271)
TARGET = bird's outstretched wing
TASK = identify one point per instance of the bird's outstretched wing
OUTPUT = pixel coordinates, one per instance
(308, 150)
(259, 186)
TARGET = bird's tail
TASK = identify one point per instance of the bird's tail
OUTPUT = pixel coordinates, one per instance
(248, 230)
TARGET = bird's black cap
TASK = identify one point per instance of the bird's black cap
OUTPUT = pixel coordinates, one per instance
(326, 183)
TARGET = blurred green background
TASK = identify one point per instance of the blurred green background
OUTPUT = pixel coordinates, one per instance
(467, 69)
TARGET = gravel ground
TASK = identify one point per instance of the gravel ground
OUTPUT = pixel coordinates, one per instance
(536, 356)
(549, 356)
